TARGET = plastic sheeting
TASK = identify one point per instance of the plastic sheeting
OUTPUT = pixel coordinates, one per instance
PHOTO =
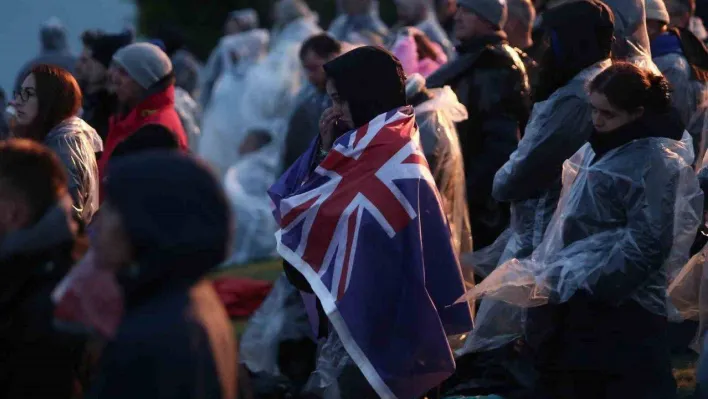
(631, 36)
(622, 230)
(246, 184)
(281, 318)
(689, 97)
(76, 143)
(220, 142)
(436, 120)
(189, 114)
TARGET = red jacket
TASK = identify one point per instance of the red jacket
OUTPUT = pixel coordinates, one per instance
(158, 109)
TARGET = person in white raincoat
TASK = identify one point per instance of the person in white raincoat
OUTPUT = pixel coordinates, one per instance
(219, 143)
(271, 89)
(625, 223)
(359, 23)
(246, 184)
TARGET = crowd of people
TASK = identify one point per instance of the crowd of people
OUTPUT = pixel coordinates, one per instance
(490, 198)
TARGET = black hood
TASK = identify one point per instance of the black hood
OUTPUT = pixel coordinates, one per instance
(580, 34)
(176, 215)
(371, 80)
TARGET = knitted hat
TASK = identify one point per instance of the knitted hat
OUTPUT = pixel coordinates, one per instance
(105, 46)
(493, 11)
(656, 11)
(144, 62)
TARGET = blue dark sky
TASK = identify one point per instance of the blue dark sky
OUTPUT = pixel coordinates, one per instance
(20, 21)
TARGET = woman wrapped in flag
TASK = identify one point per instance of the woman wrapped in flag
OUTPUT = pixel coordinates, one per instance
(365, 240)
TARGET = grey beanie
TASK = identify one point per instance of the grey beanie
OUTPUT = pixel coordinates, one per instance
(493, 11)
(146, 63)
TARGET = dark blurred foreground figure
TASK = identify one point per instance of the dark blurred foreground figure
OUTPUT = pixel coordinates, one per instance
(175, 340)
(38, 245)
(54, 50)
(490, 79)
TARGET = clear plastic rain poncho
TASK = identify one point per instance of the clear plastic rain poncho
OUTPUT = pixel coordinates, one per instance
(271, 89)
(282, 318)
(436, 120)
(246, 184)
(189, 114)
(219, 142)
(623, 230)
(76, 143)
(366, 29)
(689, 97)
(631, 36)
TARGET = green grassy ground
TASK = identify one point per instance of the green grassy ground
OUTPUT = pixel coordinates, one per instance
(684, 366)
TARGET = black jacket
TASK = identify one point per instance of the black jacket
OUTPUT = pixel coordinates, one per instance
(36, 360)
(490, 79)
(97, 109)
(175, 340)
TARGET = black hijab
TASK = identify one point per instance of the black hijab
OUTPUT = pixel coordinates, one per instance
(580, 34)
(371, 80)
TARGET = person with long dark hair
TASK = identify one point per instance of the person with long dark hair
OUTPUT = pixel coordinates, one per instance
(46, 107)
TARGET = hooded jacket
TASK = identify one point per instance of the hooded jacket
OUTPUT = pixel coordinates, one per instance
(76, 143)
(35, 359)
(490, 79)
(175, 340)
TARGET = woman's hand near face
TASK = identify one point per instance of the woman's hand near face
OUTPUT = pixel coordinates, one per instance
(328, 123)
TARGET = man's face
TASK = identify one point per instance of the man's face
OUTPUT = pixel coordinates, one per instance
(90, 72)
(313, 65)
(655, 28)
(125, 88)
(467, 24)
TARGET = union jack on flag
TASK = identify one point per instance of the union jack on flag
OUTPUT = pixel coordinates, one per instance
(366, 229)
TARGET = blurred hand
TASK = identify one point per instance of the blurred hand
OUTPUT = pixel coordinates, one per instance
(328, 123)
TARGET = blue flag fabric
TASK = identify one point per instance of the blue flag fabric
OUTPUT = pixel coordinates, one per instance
(367, 231)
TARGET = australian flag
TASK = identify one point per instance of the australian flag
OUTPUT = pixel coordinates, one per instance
(366, 229)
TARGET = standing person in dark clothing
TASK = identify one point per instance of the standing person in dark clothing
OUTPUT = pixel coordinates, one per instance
(445, 10)
(38, 245)
(313, 99)
(174, 340)
(490, 79)
(92, 70)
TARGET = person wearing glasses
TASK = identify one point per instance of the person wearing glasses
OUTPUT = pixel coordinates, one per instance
(45, 107)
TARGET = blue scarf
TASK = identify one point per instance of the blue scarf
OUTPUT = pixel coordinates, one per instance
(665, 44)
